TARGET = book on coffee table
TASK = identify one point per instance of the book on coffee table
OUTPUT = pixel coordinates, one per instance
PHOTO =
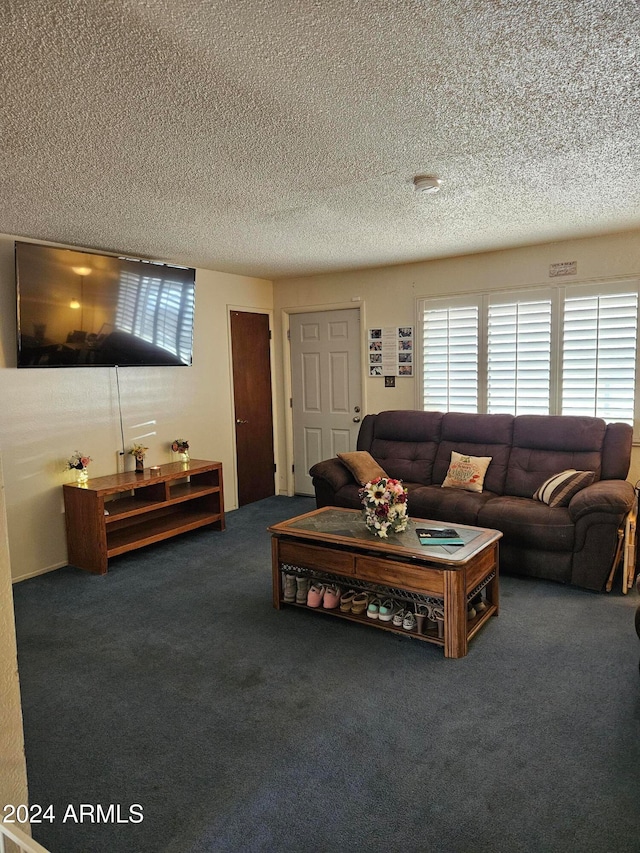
(438, 536)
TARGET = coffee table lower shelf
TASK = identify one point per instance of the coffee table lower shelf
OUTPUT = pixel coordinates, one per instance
(430, 635)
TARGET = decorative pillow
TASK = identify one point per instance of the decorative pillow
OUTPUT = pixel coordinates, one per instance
(559, 489)
(362, 465)
(466, 472)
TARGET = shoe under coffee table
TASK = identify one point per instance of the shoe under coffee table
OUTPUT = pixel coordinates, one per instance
(333, 545)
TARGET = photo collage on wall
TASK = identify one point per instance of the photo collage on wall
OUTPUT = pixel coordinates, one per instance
(391, 351)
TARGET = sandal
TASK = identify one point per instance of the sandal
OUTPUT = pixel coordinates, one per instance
(359, 603)
(346, 600)
(437, 613)
(422, 612)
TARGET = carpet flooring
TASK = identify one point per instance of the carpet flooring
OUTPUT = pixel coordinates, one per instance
(172, 685)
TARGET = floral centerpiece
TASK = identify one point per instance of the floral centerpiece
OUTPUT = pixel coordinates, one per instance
(385, 506)
(138, 450)
(181, 445)
(79, 463)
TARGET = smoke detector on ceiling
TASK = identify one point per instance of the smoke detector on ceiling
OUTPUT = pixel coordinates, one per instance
(426, 184)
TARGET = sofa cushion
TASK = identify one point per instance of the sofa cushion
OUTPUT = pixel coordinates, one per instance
(529, 523)
(405, 444)
(362, 465)
(466, 472)
(476, 435)
(559, 489)
(546, 444)
(450, 505)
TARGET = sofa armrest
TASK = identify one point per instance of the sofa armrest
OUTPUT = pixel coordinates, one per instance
(612, 497)
(333, 472)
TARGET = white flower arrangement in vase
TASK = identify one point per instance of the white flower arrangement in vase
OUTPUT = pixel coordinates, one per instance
(385, 506)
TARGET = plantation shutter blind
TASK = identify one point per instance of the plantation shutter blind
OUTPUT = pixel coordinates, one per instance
(519, 356)
(127, 302)
(153, 310)
(450, 356)
(570, 350)
(599, 354)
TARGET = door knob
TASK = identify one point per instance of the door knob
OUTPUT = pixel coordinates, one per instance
(356, 420)
(240, 421)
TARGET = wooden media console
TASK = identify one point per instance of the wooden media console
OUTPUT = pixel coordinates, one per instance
(112, 515)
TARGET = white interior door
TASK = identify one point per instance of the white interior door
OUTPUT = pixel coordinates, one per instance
(326, 387)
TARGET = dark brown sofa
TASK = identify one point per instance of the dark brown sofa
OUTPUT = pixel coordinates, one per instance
(574, 544)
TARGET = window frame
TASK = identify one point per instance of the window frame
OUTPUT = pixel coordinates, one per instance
(557, 293)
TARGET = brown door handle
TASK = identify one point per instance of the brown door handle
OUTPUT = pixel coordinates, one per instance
(240, 421)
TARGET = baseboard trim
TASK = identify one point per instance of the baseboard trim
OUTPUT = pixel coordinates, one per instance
(35, 574)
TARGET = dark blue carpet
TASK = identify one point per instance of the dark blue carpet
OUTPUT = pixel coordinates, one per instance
(172, 683)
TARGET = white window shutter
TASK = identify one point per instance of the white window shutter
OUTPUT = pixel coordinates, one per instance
(519, 357)
(450, 358)
(599, 355)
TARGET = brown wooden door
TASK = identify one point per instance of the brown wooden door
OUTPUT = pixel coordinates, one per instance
(253, 409)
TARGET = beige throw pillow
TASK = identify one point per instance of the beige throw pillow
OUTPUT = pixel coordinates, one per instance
(362, 465)
(466, 472)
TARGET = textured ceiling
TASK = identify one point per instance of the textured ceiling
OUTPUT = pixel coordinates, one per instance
(281, 137)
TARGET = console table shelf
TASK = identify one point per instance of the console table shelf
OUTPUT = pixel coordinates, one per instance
(112, 515)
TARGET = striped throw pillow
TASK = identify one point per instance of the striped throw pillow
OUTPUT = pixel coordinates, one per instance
(559, 489)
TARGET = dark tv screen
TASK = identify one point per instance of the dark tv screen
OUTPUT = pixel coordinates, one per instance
(79, 309)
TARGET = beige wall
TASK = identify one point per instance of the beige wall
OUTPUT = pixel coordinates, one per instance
(47, 414)
(13, 772)
(387, 297)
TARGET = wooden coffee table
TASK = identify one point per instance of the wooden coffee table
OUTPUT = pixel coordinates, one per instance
(333, 544)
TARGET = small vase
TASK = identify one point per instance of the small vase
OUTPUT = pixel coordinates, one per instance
(184, 457)
(82, 475)
(139, 465)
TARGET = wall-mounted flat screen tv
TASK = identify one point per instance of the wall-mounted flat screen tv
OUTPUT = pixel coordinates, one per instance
(79, 309)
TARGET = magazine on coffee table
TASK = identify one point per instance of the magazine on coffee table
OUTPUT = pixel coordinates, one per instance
(438, 536)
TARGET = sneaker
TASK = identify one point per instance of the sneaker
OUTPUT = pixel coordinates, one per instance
(315, 595)
(373, 609)
(289, 592)
(302, 590)
(386, 611)
(398, 617)
(409, 622)
(331, 597)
